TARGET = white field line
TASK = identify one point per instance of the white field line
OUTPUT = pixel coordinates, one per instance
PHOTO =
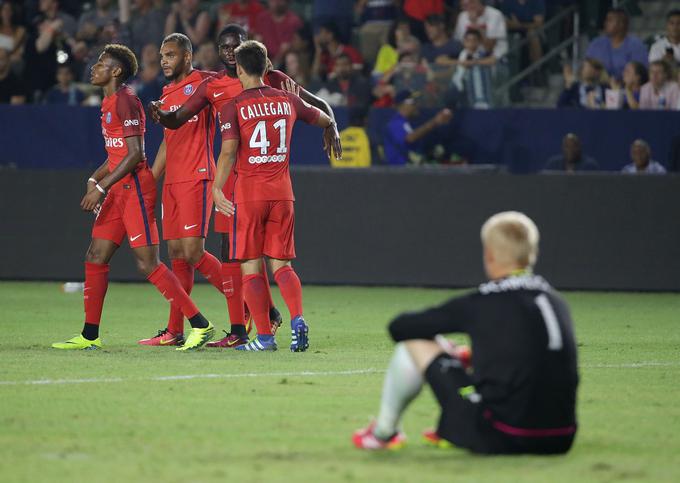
(187, 377)
(357, 372)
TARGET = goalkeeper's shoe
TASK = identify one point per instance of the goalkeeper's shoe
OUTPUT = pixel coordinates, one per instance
(228, 342)
(164, 337)
(299, 335)
(431, 438)
(259, 344)
(79, 343)
(366, 439)
(198, 338)
(275, 319)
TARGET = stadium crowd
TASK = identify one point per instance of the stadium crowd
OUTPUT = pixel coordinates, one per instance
(438, 54)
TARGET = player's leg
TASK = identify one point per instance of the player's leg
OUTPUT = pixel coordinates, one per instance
(274, 314)
(170, 287)
(403, 382)
(257, 298)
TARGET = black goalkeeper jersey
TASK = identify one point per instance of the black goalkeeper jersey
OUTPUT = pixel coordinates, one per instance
(523, 349)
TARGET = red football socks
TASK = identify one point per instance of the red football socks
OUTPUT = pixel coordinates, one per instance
(291, 289)
(266, 280)
(232, 285)
(255, 293)
(185, 274)
(211, 269)
(170, 287)
(96, 283)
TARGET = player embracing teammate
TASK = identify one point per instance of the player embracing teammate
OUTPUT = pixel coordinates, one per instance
(256, 129)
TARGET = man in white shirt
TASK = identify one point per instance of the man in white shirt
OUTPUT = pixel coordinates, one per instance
(668, 47)
(641, 155)
(489, 21)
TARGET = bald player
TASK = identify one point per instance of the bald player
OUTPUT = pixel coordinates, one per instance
(520, 395)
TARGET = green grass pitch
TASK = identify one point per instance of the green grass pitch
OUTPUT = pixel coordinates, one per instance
(122, 415)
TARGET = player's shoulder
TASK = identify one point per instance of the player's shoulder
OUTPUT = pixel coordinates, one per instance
(275, 78)
(204, 74)
(125, 96)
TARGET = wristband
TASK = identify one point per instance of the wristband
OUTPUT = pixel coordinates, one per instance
(101, 190)
(93, 180)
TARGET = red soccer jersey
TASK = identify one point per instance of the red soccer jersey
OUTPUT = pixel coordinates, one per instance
(189, 149)
(262, 119)
(122, 117)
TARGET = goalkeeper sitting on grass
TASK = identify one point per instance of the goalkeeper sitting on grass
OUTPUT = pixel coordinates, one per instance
(519, 395)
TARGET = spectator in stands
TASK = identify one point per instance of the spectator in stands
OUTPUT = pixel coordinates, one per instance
(399, 41)
(589, 91)
(328, 49)
(65, 92)
(303, 46)
(400, 139)
(410, 74)
(11, 88)
(441, 48)
(148, 85)
(356, 147)
(275, 27)
(668, 47)
(661, 92)
(472, 76)
(186, 17)
(616, 47)
(572, 158)
(142, 25)
(525, 17)
(12, 33)
(627, 94)
(206, 57)
(641, 155)
(242, 12)
(417, 11)
(295, 69)
(51, 36)
(488, 21)
(375, 19)
(103, 13)
(346, 86)
(340, 13)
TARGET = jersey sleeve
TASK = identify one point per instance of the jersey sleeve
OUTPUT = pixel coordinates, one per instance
(305, 112)
(131, 116)
(276, 79)
(199, 99)
(229, 128)
(453, 316)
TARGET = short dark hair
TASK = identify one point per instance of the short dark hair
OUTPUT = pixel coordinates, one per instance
(332, 28)
(235, 30)
(181, 40)
(622, 12)
(640, 71)
(672, 13)
(667, 69)
(125, 57)
(473, 32)
(435, 19)
(251, 55)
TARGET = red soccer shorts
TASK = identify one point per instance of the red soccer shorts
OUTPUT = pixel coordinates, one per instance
(224, 223)
(186, 209)
(129, 209)
(264, 228)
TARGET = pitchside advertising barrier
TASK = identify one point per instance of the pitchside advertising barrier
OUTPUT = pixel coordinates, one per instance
(395, 227)
(521, 140)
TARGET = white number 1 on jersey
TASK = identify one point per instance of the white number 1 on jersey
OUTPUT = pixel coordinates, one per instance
(259, 137)
(552, 326)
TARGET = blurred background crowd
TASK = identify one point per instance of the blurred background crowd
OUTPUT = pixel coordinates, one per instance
(405, 54)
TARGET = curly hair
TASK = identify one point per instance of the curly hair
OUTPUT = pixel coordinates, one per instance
(125, 57)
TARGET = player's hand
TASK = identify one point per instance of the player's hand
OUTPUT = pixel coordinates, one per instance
(154, 110)
(222, 204)
(291, 86)
(331, 141)
(91, 200)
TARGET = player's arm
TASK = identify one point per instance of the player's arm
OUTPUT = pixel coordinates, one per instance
(310, 114)
(135, 155)
(176, 119)
(159, 163)
(331, 136)
(453, 316)
(225, 163)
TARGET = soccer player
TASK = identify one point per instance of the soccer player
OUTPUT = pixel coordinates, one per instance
(216, 92)
(186, 157)
(122, 192)
(256, 132)
(521, 394)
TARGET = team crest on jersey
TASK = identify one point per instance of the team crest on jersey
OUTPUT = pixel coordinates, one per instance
(188, 89)
(108, 118)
